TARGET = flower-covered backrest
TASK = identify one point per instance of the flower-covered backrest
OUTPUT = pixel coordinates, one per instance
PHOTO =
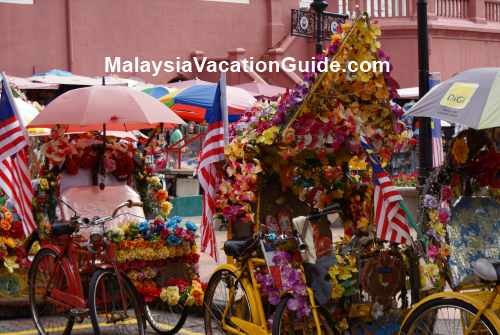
(473, 234)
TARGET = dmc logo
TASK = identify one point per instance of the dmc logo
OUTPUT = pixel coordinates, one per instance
(456, 98)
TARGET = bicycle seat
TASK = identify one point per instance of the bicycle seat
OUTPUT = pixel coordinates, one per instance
(59, 229)
(237, 248)
(487, 270)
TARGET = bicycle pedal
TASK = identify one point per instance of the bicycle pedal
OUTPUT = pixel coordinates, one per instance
(79, 312)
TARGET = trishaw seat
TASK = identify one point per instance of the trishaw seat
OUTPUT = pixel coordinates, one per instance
(237, 248)
(487, 270)
(59, 229)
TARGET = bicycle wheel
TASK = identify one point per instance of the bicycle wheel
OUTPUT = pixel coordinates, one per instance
(287, 322)
(45, 275)
(163, 318)
(445, 317)
(114, 311)
(224, 292)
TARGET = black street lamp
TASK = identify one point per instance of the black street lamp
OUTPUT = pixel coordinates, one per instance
(424, 135)
(319, 7)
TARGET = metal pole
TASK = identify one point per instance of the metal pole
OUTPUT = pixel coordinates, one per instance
(319, 7)
(425, 141)
(223, 104)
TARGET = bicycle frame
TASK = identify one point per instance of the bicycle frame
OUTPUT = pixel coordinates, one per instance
(487, 302)
(74, 296)
(250, 285)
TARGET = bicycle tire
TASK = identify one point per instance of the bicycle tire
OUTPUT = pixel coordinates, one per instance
(279, 315)
(159, 325)
(33, 274)
(95, 307)
(209, 302)
(410, 325)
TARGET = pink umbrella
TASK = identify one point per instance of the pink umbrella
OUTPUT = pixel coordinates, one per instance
(262, 89)
(115, 107)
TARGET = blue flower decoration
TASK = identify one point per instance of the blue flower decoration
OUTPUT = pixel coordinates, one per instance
(177, 219)
(271, 237)
(191, 226)
(173, 240)
(144, 227)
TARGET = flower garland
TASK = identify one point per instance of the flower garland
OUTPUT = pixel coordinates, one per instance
(12, 253)
(179, 291)
(154, 240)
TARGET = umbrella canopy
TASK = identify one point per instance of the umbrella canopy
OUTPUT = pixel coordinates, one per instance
(471, 98)
(262, 89)
(157, 92)
(118, 107)
(203, 96)
(163, 94)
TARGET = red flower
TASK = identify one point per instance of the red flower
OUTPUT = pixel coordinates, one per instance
(16, 230)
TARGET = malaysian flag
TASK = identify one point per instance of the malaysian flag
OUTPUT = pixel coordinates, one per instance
(437, 143)
(14, 172)
(212, 152)
(389, 216)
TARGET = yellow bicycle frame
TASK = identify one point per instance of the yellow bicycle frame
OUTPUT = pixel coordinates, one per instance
(487, 302)
(258, 326)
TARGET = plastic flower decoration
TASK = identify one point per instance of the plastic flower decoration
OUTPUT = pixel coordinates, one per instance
(166, 208)
(170, 295)
(460, 150)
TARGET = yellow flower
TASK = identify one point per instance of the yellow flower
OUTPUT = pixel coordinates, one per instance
(155, 181)
(10, 242)
(333, 272)
(268, 136)
(166, 208)
(363, 224)
(460, 151)
(337, 291)
(44, 184)
(343, 325)
(170, 295)
(10, 263)
(234, 149)
(344, 273)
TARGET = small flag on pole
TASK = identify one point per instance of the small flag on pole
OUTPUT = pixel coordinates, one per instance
(15, 180)
(437, 143)
(389, 216)
(212, 152)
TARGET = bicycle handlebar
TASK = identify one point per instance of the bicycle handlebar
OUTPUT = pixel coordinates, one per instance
(129, 204)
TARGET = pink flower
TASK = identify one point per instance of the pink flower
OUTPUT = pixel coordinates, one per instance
(446, 193)
(433, 251)
(444, 215)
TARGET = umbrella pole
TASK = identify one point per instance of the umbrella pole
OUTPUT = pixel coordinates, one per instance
(103, 171)
(424, 134)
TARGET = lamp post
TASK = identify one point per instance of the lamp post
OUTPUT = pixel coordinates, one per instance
(319, 7)
(424, 134)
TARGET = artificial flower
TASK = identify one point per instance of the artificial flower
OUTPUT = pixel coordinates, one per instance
(337, 291)
(460, 150)
(170, 295)
(166, 208)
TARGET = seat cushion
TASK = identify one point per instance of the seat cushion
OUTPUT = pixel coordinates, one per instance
(237, 248)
